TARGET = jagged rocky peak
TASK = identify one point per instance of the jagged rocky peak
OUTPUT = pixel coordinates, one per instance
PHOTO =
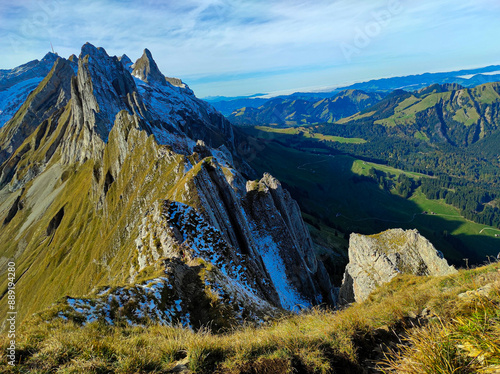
(106, 72)
(271, 206)
(145, 69)
(376, 259)
(126, 62)
(102, 89)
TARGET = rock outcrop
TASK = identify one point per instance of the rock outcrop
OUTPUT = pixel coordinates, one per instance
(376, 259)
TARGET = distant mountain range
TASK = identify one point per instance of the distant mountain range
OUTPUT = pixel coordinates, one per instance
(299, 111)
(466, 78)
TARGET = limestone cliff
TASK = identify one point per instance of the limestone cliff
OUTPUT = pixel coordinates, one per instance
(376, 259)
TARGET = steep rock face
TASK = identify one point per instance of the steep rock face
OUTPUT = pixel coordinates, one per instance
(285, 244)
(17, 83)
(104, 88)
(274, 242)
(52, 94)
(376, 259)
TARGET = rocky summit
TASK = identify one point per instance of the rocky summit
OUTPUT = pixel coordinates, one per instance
(123, 198)
(376, 259)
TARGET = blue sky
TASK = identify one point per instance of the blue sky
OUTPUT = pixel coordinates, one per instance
(241, 47)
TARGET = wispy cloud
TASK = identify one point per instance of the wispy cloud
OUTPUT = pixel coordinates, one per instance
(232, 45)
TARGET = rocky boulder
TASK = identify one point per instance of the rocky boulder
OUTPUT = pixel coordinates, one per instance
(376, 259)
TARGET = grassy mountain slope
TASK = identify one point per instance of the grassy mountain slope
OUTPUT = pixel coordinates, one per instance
(106, 222)
(440, 114)
(412, 324)
(67, 257)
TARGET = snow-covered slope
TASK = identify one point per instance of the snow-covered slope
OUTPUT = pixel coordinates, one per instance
(17, 83)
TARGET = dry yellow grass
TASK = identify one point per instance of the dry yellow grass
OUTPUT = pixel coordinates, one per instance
(461, 332)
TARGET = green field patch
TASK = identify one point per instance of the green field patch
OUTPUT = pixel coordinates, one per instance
(355, 117)
(466, 116)
(363, 167)
(308, 133)
(421, 136)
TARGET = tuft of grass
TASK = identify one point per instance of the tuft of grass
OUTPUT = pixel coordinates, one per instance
(431, 350)
(468, 341)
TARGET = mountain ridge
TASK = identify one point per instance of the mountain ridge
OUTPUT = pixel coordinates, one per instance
(447, 113)
(414, 82)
